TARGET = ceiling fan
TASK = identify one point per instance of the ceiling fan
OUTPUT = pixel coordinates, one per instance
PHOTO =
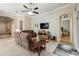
(30, 10)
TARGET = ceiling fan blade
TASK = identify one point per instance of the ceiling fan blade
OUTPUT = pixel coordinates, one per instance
(35, 12)
(25, 6)
(23, 11)
(36, 8)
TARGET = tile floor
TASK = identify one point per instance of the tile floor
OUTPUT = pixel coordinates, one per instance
(8, 47)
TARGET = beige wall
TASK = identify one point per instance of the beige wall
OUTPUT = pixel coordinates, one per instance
(26, 22)
(12, 16)
(53, 17)
(16, 20)
(67, 10)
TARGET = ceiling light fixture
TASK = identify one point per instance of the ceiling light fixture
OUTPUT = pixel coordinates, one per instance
(30, 13)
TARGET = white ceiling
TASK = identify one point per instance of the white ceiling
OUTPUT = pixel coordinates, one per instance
(49, 6)
(43, 7)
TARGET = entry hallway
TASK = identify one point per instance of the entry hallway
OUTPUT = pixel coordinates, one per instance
(8, 47)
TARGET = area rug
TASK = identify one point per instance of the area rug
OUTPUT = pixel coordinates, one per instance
(63, 52)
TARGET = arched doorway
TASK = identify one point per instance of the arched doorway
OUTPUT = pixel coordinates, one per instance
(66, 29)
(5, 26)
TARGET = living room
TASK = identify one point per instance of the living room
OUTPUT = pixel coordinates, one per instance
(47, 21)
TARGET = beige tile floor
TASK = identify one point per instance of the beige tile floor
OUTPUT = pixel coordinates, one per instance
(8, 47)
(66, 40)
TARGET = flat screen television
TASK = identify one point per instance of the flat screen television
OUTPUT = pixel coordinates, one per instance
(44, 25)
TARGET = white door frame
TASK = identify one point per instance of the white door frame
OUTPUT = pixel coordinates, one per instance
(70, 29)
(77, 27)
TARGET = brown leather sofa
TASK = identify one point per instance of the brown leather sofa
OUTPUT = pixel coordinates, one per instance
(23, 38)
(27, 39)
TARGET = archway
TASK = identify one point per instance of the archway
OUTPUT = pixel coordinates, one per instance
(5, 26)
(66, 29)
